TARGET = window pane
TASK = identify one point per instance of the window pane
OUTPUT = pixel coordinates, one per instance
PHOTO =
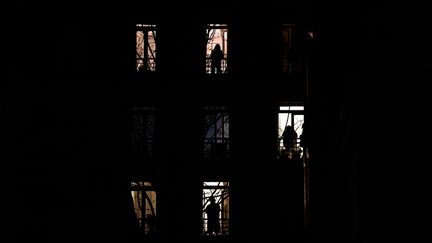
(144, 201)
(215, 213)
(216, 132)
(288, 140)
(146, 47)
(216, 48)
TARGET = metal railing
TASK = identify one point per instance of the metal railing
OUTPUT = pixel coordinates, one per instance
(143, 65)
(216, 148)
(223, 65)
(294, 152)
(223, 224)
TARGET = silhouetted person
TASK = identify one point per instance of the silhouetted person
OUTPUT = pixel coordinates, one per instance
(216, 57)
(212, 211)
(289, 139)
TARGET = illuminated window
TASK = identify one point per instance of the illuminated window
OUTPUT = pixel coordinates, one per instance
(215, 215)
(290, 117)
(144, 201)
(143, 127)
(145, 47)
(290, 53)
(216, 132)
(216, 48)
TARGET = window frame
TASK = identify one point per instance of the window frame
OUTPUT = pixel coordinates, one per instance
(291, 117)
(144, 188)
(217, 145)
(224, 193)
(143, 130)
(224, 46)
(149, 64)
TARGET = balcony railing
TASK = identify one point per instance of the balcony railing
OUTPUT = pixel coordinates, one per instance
(223, 65)
(223, 224)
(294, 152)
(216, 148)
(148, 65)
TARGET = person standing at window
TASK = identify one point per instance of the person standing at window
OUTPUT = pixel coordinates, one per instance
(212, 210)
(216, 57)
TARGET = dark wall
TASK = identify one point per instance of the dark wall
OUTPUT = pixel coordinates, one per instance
(64, 107)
